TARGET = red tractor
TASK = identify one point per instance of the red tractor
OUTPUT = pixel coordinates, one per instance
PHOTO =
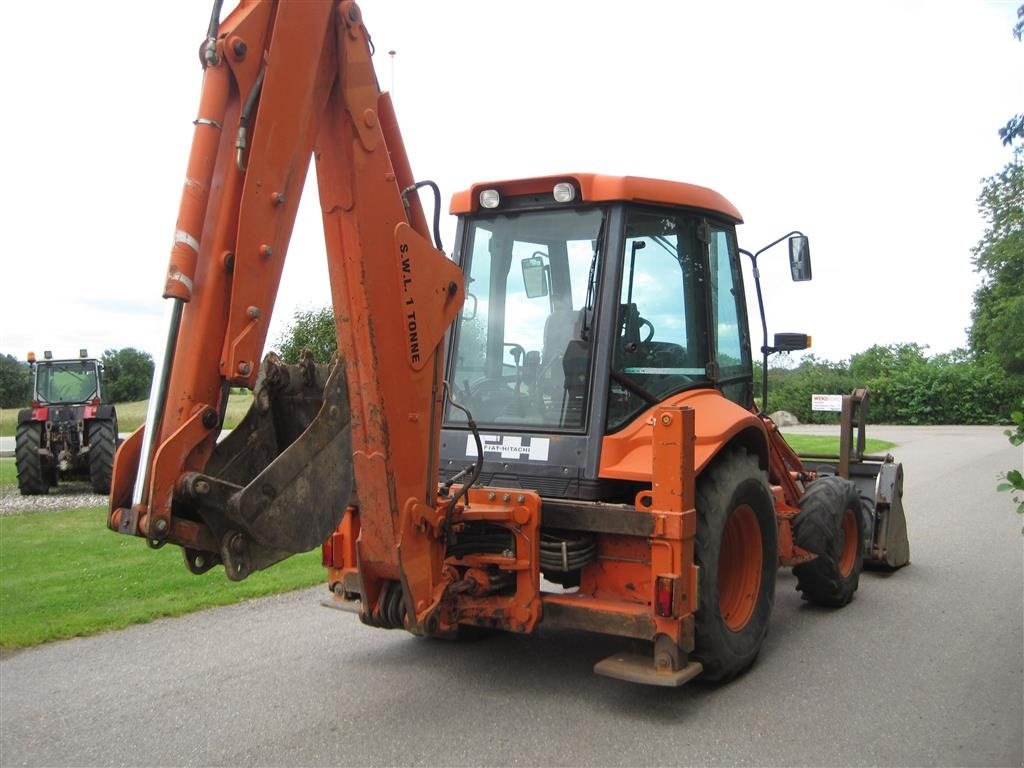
(68, 433)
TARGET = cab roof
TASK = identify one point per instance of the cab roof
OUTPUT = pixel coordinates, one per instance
(594, 187)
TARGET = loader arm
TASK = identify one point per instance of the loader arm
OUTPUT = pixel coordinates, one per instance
(283, 83)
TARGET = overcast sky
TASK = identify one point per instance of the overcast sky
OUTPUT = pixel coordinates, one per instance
(867, 126)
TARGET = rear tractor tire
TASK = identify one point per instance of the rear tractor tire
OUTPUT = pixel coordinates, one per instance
(102, 443)
(736, 548)
(831, 525)
(31, 478)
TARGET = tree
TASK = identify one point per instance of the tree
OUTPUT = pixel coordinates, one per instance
(997, 329)
(311, 329)
(1014, 128)
(879, 362)
(15, 384)
(127, 375)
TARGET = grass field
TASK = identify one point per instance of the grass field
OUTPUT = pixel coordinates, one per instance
(131, 415)
(8, 472)
(63, 574)
(826, 444)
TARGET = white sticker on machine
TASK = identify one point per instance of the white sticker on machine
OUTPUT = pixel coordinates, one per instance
(512, 447)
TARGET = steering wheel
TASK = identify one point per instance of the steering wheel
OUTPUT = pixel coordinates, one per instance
(493, 397)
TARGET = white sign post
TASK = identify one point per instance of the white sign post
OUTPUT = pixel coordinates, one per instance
(827, 403)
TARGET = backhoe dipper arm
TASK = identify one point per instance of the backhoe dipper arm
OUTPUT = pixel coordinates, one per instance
(287, 81)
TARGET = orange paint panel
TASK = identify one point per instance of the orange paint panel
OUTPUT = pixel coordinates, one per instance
(628, 454)
(292, 99)
(622, 570)
(600, 188)
(167, 463)
(126, 461)
(431, 291)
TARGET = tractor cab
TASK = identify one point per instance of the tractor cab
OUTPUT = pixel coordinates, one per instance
(65, 382)
(589, 299)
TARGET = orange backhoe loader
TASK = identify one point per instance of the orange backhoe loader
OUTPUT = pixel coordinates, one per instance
(556, 426)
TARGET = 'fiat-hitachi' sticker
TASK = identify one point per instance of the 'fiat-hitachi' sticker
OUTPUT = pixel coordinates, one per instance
(510, 447)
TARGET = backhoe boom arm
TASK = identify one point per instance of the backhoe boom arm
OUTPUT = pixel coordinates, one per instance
(290, 81)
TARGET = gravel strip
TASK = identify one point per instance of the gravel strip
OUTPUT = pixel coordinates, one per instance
(63, 496)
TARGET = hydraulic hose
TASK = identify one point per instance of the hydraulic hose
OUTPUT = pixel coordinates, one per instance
(243, 122)
(482, 540)
(210, 51)
(437, 207)
(477, 468)
(564, 551)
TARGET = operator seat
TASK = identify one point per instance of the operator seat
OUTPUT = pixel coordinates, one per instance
(566, 357)
(559, 330)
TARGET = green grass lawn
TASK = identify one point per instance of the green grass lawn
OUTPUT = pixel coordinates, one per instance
(8, 472)
(64, 574)
(825, 444)
(131, 415)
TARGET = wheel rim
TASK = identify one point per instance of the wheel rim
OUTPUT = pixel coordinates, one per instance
(739, 568)
(848, 555)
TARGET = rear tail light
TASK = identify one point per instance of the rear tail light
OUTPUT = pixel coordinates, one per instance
(327, 552)
(40, 414)
(663, 595)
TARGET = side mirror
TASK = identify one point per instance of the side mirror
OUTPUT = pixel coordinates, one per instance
(535, 277)
(800, 258)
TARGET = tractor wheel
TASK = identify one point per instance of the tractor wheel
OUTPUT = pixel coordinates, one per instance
(31, 478)
(736, 548)
(831, 525)
(102, 441)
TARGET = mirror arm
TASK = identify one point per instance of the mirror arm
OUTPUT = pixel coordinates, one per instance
(765, 349)
(795, 232)
(764, 322)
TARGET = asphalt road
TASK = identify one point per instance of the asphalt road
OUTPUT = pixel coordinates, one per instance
(923, 668)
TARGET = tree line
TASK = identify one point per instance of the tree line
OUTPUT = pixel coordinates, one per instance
(906, 386)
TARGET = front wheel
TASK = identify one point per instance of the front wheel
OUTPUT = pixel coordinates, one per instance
(736, 548)
(831, 525)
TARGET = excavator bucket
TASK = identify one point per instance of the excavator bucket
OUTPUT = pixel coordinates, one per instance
(879, 481)
(880, 484)
(889, 547)
(280, 482)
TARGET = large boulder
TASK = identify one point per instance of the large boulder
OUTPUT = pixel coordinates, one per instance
(784, 419)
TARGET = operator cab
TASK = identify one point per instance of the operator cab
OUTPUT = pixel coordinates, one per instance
(589, 299)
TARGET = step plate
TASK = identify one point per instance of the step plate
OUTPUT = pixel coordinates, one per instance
(634, 668)
(338, 603)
